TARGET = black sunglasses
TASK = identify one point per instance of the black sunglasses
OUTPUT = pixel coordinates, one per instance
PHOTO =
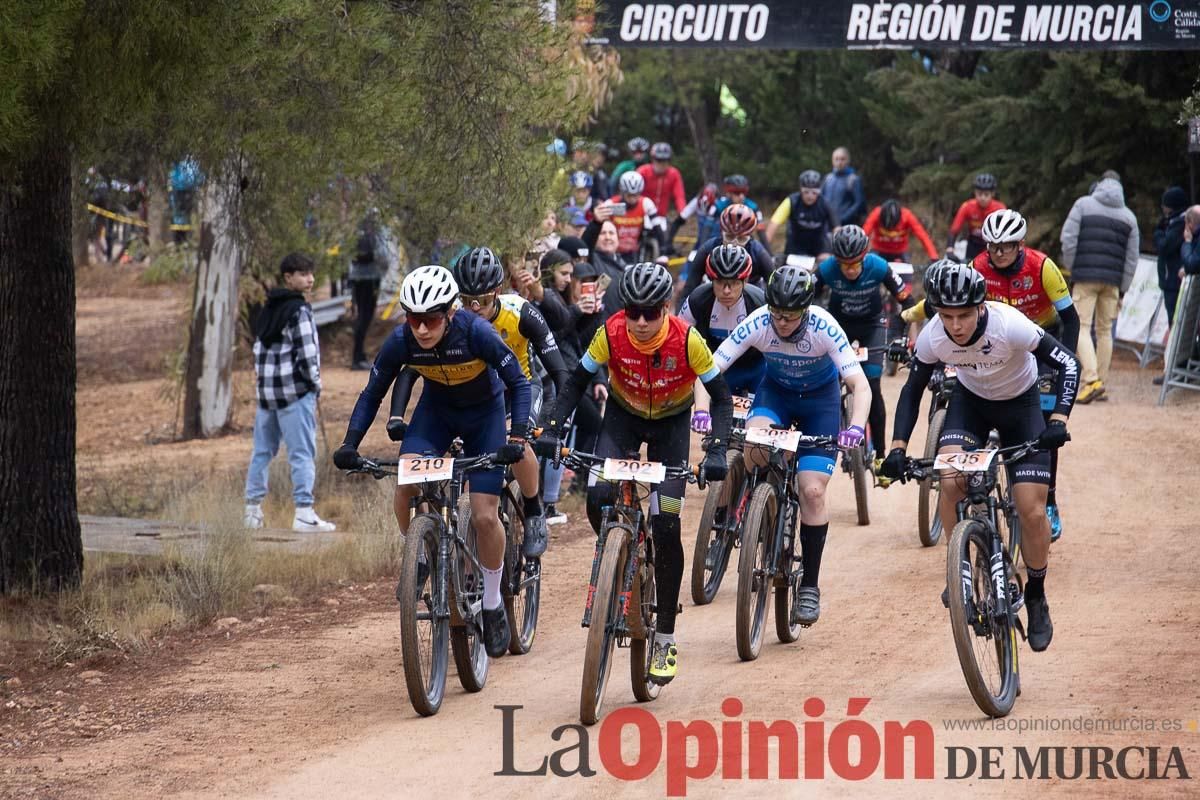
(648, 313)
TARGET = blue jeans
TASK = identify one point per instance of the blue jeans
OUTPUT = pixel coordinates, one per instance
(296, 426)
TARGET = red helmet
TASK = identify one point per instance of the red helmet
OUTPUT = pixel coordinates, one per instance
(738, 220)
(708, 195)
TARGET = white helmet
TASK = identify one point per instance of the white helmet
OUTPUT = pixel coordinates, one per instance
(1005, 225)
(632, 183)
(428, 289)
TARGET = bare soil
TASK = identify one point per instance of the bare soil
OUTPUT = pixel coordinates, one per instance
(310, 702)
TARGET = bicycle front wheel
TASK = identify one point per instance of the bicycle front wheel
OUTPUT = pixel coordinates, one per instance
(522, 578)
(862, 485)
(641, 606)
(606, 619)
(986, 643)
(466, 631)
(714, 543)
(754, 584)
(929, 521)
(423, 634)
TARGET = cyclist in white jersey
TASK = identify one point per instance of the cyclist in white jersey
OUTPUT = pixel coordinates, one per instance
(806, 353)
(996, 350)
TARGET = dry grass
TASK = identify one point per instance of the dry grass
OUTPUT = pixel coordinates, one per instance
(125, 601)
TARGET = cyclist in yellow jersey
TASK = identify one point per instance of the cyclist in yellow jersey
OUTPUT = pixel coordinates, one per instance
(653, 360)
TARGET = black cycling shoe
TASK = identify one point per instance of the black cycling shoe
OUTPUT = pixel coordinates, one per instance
(495, 632)
(1041, 630)
(422, 576)
(536, 537)
(806, 609)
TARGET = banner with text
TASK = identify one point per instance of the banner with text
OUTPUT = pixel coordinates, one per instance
(830, 24)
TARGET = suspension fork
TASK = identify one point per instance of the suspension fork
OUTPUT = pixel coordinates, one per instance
(601, 538)
(631, 565)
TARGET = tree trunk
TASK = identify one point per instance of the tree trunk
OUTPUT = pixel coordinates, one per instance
(696, 112)
(41, 549)
(208, 381)
(81, 248)
(156, 209)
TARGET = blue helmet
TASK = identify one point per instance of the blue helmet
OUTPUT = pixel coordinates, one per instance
(557, 147)
(581, 180)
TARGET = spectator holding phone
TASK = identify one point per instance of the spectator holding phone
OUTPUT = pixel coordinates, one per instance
(603, 241)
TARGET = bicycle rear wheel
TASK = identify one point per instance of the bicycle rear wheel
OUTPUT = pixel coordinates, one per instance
(423, 636)
(929, 521)
(862, 485)
(466, 634)
(641, 602)
(753, 583)
(606, 617)
(785, 631)
(986, 645)
(714, 544)
(522, 579)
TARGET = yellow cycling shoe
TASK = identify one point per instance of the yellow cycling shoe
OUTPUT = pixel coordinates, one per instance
(876, 465)
(664, 662)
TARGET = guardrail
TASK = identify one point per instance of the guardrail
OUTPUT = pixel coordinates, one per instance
(326, 312)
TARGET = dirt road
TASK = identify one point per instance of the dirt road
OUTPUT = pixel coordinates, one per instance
(321, 711)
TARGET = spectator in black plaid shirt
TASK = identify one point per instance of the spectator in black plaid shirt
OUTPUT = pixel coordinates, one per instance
(287, 359)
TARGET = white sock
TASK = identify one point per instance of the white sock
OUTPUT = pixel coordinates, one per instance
(491, 587)
(664, 638)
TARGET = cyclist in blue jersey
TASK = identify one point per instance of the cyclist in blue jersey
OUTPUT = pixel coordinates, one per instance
(806, 353)
(715, 309)
(854, 278)
(466, 367)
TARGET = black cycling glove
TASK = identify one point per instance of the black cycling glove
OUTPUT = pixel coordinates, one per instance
(347, 457)
(510, 453)
(1054, 436)
(715, 468)
(396, 428)
(893, 466)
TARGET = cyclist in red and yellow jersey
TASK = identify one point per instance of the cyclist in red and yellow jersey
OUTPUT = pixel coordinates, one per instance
(653, 361)
(972, 213)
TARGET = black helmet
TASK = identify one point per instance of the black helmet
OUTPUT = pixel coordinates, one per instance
(791, 289)
(478, 271)
(889, 214)
(736, 183)
(957, 286)
(850, 243)
(985, 181)
(810, 179)
(646, 284)
(729, 262)
(929, 279)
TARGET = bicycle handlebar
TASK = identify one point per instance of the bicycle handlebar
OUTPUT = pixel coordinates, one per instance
(583, 460)
(921, 468)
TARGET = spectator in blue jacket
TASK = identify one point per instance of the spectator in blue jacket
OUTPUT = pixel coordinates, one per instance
(843, 190)
(1168, 242)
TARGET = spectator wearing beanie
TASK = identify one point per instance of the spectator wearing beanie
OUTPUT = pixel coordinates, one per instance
(1168, 242)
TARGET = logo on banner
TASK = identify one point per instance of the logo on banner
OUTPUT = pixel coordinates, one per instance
(1160, 10)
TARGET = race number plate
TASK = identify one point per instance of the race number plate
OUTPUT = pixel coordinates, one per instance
(741, 407)
(862, 354)
(625, 469)
(803, 262)
(951, 372)
(424, 470)
(773, 437)
(974, 461)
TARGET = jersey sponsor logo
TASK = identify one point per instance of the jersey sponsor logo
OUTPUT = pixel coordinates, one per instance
(987, 347)
(804, 346)
(671, 363)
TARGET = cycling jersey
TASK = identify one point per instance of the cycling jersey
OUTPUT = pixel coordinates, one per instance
(663, 189)
(469, 366)
(858, 300)
(1033, 285)
(812, 360)
(522, 326)
(637, 218)
(969, 220)
(808, 226)
(651, 385)
(715, 322)
(893, 242)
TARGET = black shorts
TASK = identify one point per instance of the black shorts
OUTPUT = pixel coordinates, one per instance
(667, 441)
(970, 418)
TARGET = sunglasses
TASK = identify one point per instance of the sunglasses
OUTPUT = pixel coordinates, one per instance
(855, 263)
(1000, 248)
(480, 300)
(431, 321)
(786, 316)
(648, 313)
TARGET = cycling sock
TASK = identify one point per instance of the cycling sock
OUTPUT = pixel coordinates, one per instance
(812, 542)
(664, 638)
(491, 587)
(1035, 583)
(668, 569)
(877, 418)
(533, 506)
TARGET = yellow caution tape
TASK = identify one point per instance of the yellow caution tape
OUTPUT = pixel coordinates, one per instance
(118, 217)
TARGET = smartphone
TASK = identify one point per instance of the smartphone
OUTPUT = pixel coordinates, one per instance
(602, 283)
(618, 209)
(587, 289)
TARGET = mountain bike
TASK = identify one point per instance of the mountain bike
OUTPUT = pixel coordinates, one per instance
(985, 590)
(767, 559)
(721, 523)
(621, 586)
(441, 581)
(941, 388)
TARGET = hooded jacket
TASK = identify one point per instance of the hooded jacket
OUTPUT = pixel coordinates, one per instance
(1100, 238)
(843, 190)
